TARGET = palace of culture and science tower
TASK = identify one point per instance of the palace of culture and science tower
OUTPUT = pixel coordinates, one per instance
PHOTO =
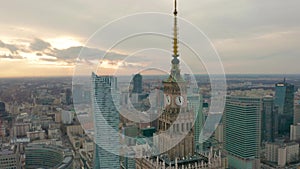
(174, 139)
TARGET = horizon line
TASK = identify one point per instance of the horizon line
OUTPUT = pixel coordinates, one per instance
(36, 77)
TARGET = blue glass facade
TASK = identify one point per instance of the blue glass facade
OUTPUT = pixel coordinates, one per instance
(284, 100)
(106, 122)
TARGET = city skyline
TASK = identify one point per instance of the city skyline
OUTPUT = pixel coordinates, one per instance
(103, 86)
(246, 34)
(44, 101)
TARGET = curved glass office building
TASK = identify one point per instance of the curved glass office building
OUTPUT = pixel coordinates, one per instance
(48, 156)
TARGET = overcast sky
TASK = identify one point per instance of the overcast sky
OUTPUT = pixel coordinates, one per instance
(44, 38)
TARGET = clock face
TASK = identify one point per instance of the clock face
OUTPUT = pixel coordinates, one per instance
(179, 100)
(167, 100)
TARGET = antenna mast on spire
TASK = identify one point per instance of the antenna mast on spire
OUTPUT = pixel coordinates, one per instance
(175, 9)
(175, 38)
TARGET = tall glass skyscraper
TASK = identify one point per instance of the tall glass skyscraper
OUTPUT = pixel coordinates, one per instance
(2, 109)
(137, 83)
(284, 99)
(242, 131)
(195, 102)
(106, 121)
(269, 120)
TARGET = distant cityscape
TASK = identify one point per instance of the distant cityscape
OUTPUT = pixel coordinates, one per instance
(259, 127)
(174, 121)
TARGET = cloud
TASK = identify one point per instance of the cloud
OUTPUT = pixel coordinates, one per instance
(73, 53)
(131, 65)
(84, 53)
(12, 48)
(231, 25)
(48, 59)
(11, 57)
(39, 54)
(39, 45)
(44, 51)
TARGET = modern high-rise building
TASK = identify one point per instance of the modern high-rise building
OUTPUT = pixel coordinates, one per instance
(272, 151)
(295, 128)
(297, 114)
(137, 83)
(269, 127)
(127, 162)
(195, 102)
(106, 121)
(288, 153)
(242, 131)
(281, 154)
(2, 107)
(68, 96)
(20, 129)
(284, 99)
(2, 114)
(295, 132)
(10, 158)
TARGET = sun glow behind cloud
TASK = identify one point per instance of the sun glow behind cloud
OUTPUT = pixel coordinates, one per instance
(64, 42)
(56, 57)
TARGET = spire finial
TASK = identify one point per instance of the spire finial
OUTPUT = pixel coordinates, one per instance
(175, 8)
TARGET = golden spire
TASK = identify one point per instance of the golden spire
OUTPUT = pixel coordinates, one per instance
(175, 71)
(175, 40)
